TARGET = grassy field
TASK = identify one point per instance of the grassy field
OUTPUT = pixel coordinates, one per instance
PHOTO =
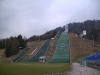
(7, 68)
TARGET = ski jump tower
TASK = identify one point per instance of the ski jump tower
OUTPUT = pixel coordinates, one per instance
(66, 28)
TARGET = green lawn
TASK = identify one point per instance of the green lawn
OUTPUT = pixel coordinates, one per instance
(8, 68)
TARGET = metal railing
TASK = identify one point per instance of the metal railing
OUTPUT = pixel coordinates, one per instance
(85, 72)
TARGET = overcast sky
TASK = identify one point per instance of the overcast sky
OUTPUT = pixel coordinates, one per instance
(35, 17)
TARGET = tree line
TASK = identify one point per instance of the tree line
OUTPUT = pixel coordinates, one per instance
(48, 35)
(92, 28)
(13, 45)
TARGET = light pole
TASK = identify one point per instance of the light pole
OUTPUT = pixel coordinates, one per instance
(93, 40)
(84, 33)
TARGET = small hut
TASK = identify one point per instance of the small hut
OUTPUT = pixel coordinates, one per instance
(42, 59)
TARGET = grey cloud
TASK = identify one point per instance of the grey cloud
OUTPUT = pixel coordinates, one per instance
(35, 17)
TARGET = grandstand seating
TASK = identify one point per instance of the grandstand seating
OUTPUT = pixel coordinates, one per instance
(40, 53)
(93, 57)
(62, 54)
(93, 60)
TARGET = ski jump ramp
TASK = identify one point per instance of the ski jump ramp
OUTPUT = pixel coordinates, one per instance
(62, 53)
(41, 52)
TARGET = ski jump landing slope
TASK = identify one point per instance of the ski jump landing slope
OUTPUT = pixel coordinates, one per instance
(20, 56)
(62, 53)
(41, 52)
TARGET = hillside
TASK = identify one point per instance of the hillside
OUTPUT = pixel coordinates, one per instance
(86, 25)
(92, 28)
(81, 48)
(34, 48)
(3, 55)
(33, 45)
(48, 35)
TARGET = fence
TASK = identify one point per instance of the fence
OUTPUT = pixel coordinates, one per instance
(93, 60)
(85, 72)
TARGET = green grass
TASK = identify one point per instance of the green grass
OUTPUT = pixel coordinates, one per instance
(7, 68)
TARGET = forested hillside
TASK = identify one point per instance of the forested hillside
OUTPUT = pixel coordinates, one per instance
(92, 28)
(48, 35)
(12, 45)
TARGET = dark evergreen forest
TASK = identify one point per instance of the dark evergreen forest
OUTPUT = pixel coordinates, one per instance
(92, 28)
(13, 45)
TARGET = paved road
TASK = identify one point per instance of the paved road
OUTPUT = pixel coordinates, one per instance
(78, 70)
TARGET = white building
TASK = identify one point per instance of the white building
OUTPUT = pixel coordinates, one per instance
(42, 59)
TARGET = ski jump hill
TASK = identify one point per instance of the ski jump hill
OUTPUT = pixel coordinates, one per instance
(62, 53)
(41, 52)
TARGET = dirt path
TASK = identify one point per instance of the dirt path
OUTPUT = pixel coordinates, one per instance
(79, 70)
